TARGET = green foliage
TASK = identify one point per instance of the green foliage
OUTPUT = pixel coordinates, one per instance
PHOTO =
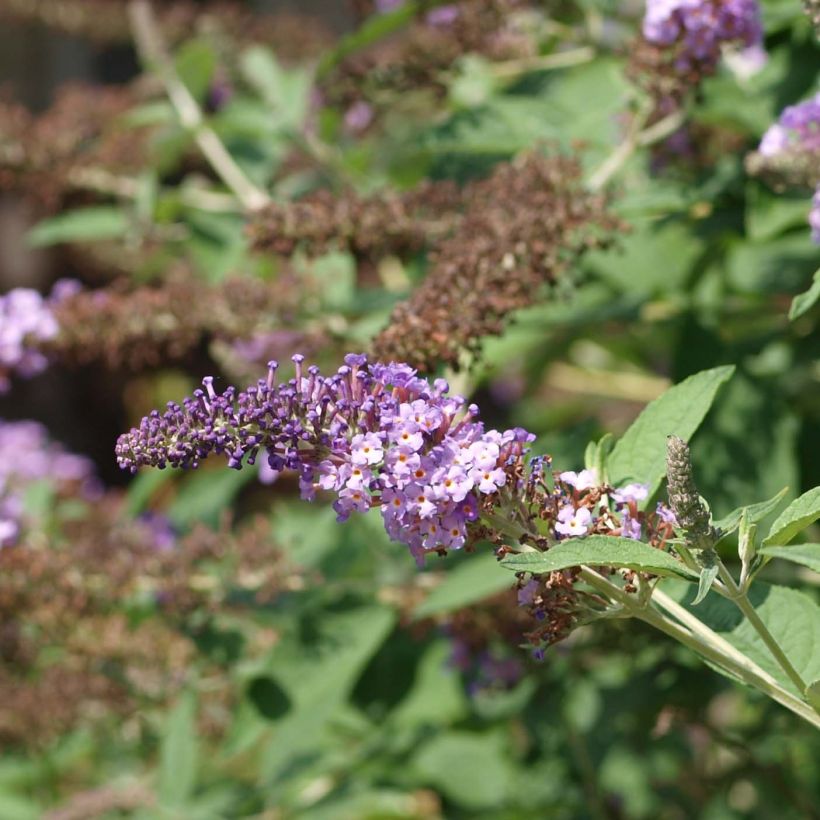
(806, 554)
(795, 518)
(599, 551)
(80, 225)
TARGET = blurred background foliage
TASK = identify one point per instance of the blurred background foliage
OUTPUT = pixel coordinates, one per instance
(267, 662)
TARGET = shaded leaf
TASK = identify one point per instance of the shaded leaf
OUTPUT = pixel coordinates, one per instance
(476, 578)
(80, 225)
(178, 753)
(806, 300)
(806, 554)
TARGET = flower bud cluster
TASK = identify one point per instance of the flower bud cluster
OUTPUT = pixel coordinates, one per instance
(27, 456)
(374, 435)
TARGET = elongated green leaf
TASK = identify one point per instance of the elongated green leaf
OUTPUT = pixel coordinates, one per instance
(478, 577)
(806, 554)
(813, 694)
(640, 454)
(795, 518)
(79, 225)
(756, 512)
(792, 618)
(196, 64)
(600, 551)
(178, 758)
(806, 300)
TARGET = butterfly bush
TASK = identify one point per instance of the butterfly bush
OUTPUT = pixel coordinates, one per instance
(27, 456)
(378, 435)
(25, 317)
(699, 30)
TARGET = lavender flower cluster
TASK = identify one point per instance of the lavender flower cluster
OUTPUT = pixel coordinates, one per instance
(372, 434)
(792, 146)
(700, 29)
(24, 316)
(26, 321)
(26, 456)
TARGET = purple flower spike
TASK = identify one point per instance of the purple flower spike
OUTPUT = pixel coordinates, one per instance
(375, 435)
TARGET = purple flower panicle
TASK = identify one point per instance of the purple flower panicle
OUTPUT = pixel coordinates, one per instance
(700, 29)
(372, 434)
(797, 129)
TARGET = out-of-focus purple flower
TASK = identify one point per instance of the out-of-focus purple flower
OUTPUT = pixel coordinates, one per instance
(666, 515)
(162, 532)
(584, 480)
(572, 522)
(358, 117)
(375, 435)
(27, 456)
(797, 129)
(700, 29)
(443, 16)
(385, 6)
(528, 592)
(24, 317)
(748, 62)
(814, 216)
(632, 492)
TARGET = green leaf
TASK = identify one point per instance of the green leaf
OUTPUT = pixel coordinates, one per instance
(756, 512)
(795, 518)
(640, 454)
(473, 769)
(792, 618)
(196, 64)
(476, 578)
(317, 669)
(599, 551)
(596, 456)
(141, 490)
(806, 554)
(204, 495)
(806, 300)
(178, 753)
(80, 225)
(707, 577)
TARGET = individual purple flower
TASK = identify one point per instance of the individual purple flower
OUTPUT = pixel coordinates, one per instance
(358, 117)
(572, 522)
(528, 592)
(375, 435)
(584, 480)
(701, 29)
(630, 527)
(630, 493)
(666, 515)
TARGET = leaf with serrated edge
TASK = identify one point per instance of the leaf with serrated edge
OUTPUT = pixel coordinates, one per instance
(600, 551)
(757, 512)
(808, 555)
(795, 518)
(640, 454)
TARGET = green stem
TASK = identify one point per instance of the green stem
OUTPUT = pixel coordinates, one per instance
(152, 50)
(741, 600)
(704, 644)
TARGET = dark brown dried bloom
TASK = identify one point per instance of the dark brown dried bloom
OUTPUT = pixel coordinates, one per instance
(71, 595)
(293, 37)
(143, 326)
(369, 227)
(80, 143)
(523, 227)
(417, 56)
